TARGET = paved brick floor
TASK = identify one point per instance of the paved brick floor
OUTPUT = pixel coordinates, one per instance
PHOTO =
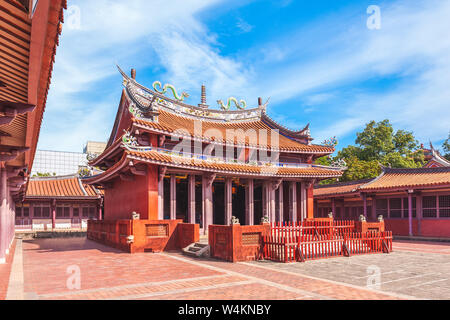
(414, 270)
(5, 270)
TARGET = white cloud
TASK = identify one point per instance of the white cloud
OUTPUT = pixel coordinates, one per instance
(330, 55)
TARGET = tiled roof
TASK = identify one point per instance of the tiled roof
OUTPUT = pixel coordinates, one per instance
(339, 188)
(60, 187)
(409, 178)
(235, 168)
(170, 122)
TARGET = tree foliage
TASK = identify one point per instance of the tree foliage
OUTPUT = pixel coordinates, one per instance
(378, 145)
(446, 147)
(44, 174)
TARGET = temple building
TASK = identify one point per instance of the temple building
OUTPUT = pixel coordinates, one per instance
(413, 202)
(166, 160)
(29, 33)
(58, 203)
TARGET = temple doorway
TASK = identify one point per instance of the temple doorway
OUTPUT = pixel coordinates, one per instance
(219, 203)
(238, 196)
(258, 207)
(182, 198)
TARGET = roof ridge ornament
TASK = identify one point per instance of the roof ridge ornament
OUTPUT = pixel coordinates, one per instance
(163, 90)
(129, 140)
(242, 104)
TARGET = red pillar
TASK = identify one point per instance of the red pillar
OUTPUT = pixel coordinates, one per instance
(3, 213)
(53, 215)
(310, 201)
(410, 213)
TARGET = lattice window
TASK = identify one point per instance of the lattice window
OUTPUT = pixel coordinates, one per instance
(46, 212)
(429, 205)
(157, 230)
(395, 208)
(406, 206)
(76, 212)
(59, 212)
(26, 211)
(18, 210)
(444, 206)
(382, 207)
(37, 212)
(123, 230)
(251, 239)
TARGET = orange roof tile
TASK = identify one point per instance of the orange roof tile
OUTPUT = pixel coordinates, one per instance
(339, 188)
(170, 122)
(166, 159)
(409, 178)
(59, 187)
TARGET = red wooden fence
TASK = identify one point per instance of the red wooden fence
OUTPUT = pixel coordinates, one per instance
(290, 244)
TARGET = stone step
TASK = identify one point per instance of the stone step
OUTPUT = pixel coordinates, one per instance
(200, 245)
(196, 250)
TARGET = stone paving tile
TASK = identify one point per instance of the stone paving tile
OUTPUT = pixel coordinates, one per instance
(107, 273)
(253, 291)
(297, 281)
(143, 289)
(5, 271)
(46, 263)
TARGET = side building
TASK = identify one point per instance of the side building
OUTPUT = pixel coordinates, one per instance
(413, 202)
(58, 203)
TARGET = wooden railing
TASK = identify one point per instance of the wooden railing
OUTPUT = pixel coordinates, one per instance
(291, 247)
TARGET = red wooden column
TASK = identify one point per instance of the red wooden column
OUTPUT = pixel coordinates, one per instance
(293, 201)
(364, 197)
(228, 200)
(410, 192)
(3, 212)
(249, 203)
(54, 214)
(162, 173)
(191, 199)
(280, 202)
(173, 197)
(374, 207)
(207, 182)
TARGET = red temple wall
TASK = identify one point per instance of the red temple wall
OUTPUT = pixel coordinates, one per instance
(139, 195)
(435, 228)
(424, 228)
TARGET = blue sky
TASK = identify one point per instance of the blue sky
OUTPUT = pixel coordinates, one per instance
(316, 60)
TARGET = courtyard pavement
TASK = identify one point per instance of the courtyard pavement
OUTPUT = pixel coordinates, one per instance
(77, 268)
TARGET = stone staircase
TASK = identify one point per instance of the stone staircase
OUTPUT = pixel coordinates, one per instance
(197, 249)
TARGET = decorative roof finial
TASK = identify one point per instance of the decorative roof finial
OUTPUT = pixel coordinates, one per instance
(133, 74)
(259, 102)
(203, 98)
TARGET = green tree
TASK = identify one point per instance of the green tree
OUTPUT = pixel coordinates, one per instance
(378, 144)
(44, 174)
(361, 169)
(446, 147)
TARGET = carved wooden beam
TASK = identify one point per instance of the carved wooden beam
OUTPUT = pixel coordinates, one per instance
(162, 140)
(276, 184)
(162, 172)
(139, 170)
(310, 183)
(9, 107)
(209, 179)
